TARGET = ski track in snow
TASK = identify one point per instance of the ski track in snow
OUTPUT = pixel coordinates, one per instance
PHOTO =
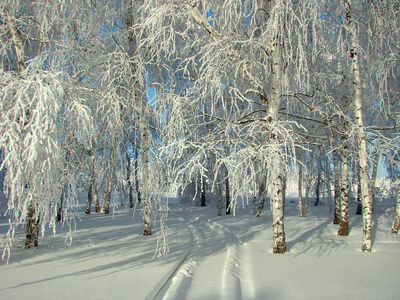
(220, 246)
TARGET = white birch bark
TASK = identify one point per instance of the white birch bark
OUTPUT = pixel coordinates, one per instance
(344, 178)
(279, 242)
(361, 139)
(344, 191)
(144, 147)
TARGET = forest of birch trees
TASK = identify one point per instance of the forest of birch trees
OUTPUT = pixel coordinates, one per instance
(230, 97)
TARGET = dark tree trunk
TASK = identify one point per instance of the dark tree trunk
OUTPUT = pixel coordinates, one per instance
(317, 187)
(227, 195)
(32, 228)
(89, 198)
(109, 182)
(300, 182)
(359, 198)
(336, 217)
(254, 203)
(284, 186)
(328, 182)
(60, 206)
(139, 198)
(261, 198)
(63, 190)
(95, 196)
(309, 181)
(92, 192)
(128, 178)
(107, 194)
(203, 192)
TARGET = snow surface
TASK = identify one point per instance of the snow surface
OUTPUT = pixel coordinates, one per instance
(228, 257)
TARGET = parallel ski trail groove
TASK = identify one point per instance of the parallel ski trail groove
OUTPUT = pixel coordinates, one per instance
(175, 271)
(194, 238)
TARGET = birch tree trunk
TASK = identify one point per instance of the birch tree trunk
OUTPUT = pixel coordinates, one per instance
(32, 228)
(95, 194)
(90, 190)
(328, 182)
(109, 180)
(145, 195)
(374, 174)
(92, 193)
(375, 165)
(344, 178)
(143, 128)
(216, 185)
(203, 191)
(396, 223)
(344, 191)
(64, 187)
(317, 185)
(261, 197)
(300, 183)
(279, 242)
(227, 194)
(139, 198)
(284, 186)
(336, 214)
(361, 139)
(359, 198)
(59, 216)
(308, 187)
(128, 178)
(254, 202)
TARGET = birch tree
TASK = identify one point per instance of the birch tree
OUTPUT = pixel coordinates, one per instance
(34, 100)
(362, 152)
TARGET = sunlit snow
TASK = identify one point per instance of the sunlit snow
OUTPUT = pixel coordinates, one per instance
(228, 257)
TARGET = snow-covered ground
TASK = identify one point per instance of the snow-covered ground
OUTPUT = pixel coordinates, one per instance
(228, 257)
